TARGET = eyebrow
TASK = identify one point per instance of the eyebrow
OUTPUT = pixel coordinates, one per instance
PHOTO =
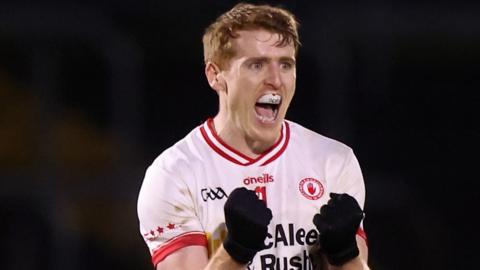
(288, 59)
(267, 59)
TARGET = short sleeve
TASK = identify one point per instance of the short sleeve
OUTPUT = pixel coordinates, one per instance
(166, 212)
(351, 181)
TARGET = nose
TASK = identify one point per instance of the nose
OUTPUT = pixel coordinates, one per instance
(273, 78)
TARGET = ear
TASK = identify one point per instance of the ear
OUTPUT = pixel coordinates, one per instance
(214, 77)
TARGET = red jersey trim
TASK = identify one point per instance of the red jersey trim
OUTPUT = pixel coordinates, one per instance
(224, 144)
(362, 234)
(284, 146)
(181, 241)
(218, 150)
(242, 159)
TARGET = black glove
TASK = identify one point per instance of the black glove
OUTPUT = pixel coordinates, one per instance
(247, 218)
(338, 223)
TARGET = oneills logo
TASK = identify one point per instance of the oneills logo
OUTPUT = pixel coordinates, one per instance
(262, 179)
(311, 188)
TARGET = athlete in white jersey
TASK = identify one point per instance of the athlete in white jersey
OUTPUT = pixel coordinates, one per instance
(186, 187)
(193, 211)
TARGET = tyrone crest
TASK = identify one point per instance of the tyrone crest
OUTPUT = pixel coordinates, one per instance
(311, 188)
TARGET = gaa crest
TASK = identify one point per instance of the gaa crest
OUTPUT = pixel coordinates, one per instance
(311, 188)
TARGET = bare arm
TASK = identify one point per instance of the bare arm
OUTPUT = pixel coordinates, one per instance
(196, 257)
(188, 258)
(221, 260)
(246, 219)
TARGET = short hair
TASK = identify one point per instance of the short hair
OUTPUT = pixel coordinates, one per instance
(217, 45)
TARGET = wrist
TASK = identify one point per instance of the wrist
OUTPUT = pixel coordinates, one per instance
(222, 260)
(342, 256)
(237, 251)
(355, 263)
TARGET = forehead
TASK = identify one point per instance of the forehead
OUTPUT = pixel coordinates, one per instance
(255, 43)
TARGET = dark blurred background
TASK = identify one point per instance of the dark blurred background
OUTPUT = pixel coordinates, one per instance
(92, 91)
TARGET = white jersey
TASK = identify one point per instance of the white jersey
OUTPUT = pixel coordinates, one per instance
(181, 200)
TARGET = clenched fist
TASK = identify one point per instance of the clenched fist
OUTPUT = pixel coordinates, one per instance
(246, 218)
(338, 222)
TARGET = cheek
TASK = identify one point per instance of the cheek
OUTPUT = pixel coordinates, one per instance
(290, 93)
(291, 88)
(289, 78)
(238, 98)
(293, 80)
(244, 89)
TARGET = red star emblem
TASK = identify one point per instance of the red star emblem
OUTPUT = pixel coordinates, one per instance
(160, 229)
(171, 226)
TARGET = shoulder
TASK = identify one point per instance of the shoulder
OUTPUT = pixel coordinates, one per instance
(309, 140)
(170, 174)
(180, 156)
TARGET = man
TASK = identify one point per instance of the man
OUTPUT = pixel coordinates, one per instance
(291, 198)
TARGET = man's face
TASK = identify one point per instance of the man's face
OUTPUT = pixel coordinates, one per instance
(260, 83)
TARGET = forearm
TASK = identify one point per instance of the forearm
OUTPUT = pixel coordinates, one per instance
(358, 263)
(222, 260)
(355, 264)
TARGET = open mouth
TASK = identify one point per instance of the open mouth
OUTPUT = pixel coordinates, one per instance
(267, 106)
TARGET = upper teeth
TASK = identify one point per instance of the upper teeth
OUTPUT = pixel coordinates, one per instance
(270, 99)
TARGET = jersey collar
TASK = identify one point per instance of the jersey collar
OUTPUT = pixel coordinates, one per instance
(228, 152)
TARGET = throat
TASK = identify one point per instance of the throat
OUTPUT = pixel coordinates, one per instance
(238, 140)
(257, 148)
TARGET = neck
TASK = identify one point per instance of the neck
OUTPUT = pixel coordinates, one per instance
(237, 139)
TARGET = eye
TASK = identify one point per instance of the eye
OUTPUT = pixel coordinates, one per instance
(286, 66)
(256, 65)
